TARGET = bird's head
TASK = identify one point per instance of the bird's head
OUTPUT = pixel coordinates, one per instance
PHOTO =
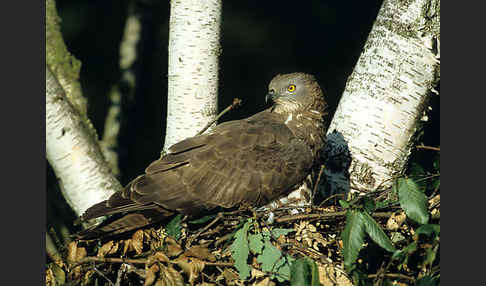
(294, 92)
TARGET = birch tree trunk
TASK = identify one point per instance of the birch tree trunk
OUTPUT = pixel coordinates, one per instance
(386, 94)
(194, 48)
(61, 62)
(123, 89)
(73, 153)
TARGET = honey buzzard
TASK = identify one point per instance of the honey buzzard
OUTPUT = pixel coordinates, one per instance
(252, 162)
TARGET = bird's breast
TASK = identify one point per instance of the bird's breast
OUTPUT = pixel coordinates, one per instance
(289, 118)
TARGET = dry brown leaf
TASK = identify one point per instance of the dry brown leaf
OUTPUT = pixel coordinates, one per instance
(435, 213)
(264, 282)
(340, 243)
(230, 276)
(255, 273)
(311, 228)
(81, 253)
(75, 254)
(395, 221)
(71, 252)
(110, 247)
(137, 241)
(170, 276)
(331, 275)
(58, 274)
(191, 266)
(50, 280)
(87, 277)
(282, 239)
(200, 252)
(158, 256)
(174, 250)
(435, 200)
(150, 274)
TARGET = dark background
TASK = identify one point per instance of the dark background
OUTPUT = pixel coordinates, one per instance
(259, 39)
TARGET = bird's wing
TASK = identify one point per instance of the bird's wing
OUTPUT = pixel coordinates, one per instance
(243, 162)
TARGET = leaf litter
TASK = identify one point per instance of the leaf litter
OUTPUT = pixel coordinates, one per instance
(241, 248)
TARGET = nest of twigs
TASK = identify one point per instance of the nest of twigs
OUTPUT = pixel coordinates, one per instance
(201, 251)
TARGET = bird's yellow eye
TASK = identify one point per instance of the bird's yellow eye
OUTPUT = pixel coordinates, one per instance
(291, 88)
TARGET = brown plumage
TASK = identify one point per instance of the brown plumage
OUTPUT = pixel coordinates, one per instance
(243, 162)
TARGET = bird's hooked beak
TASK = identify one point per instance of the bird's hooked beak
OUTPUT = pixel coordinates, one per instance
(270, 95)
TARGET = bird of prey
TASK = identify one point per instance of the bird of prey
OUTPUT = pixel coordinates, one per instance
(248, 162)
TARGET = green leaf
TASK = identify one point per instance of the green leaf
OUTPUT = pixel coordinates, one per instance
(256, 243)
(344, 204)
(428, 229)
(369, 204)
(417, 173)
(407, 250)
(377, 234)
(416, 170)
(282, 267)
(174, 227)
(59, 274)
(385, 204)
(430, 255)
(353, 237)
(240, 251)
(203, 219)
(269, 257)
(304, 272)
(427, 281)
(412, 200)
(273, 261)
(397, 237)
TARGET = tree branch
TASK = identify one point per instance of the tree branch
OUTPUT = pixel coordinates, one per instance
(194, 48)
(74, 153)
(385, 96)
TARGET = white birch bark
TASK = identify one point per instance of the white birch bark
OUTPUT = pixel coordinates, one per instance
(386, 94)
(194, 48)
(65, 66)
(73, 153)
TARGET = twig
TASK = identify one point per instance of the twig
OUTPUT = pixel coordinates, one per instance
(123, 269)
(102, 275)
(306, 250)
(236, 103)
(109, 260)
(227, 264)
(382, 215)
(380, 273)
(326, 215)
(329, 198)
(223, 239)
(217, 229)
(428, 148)
(317, 182)
(137, 261)
(427, 177)
(309, 216)
(191, 239)
(392, 275)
